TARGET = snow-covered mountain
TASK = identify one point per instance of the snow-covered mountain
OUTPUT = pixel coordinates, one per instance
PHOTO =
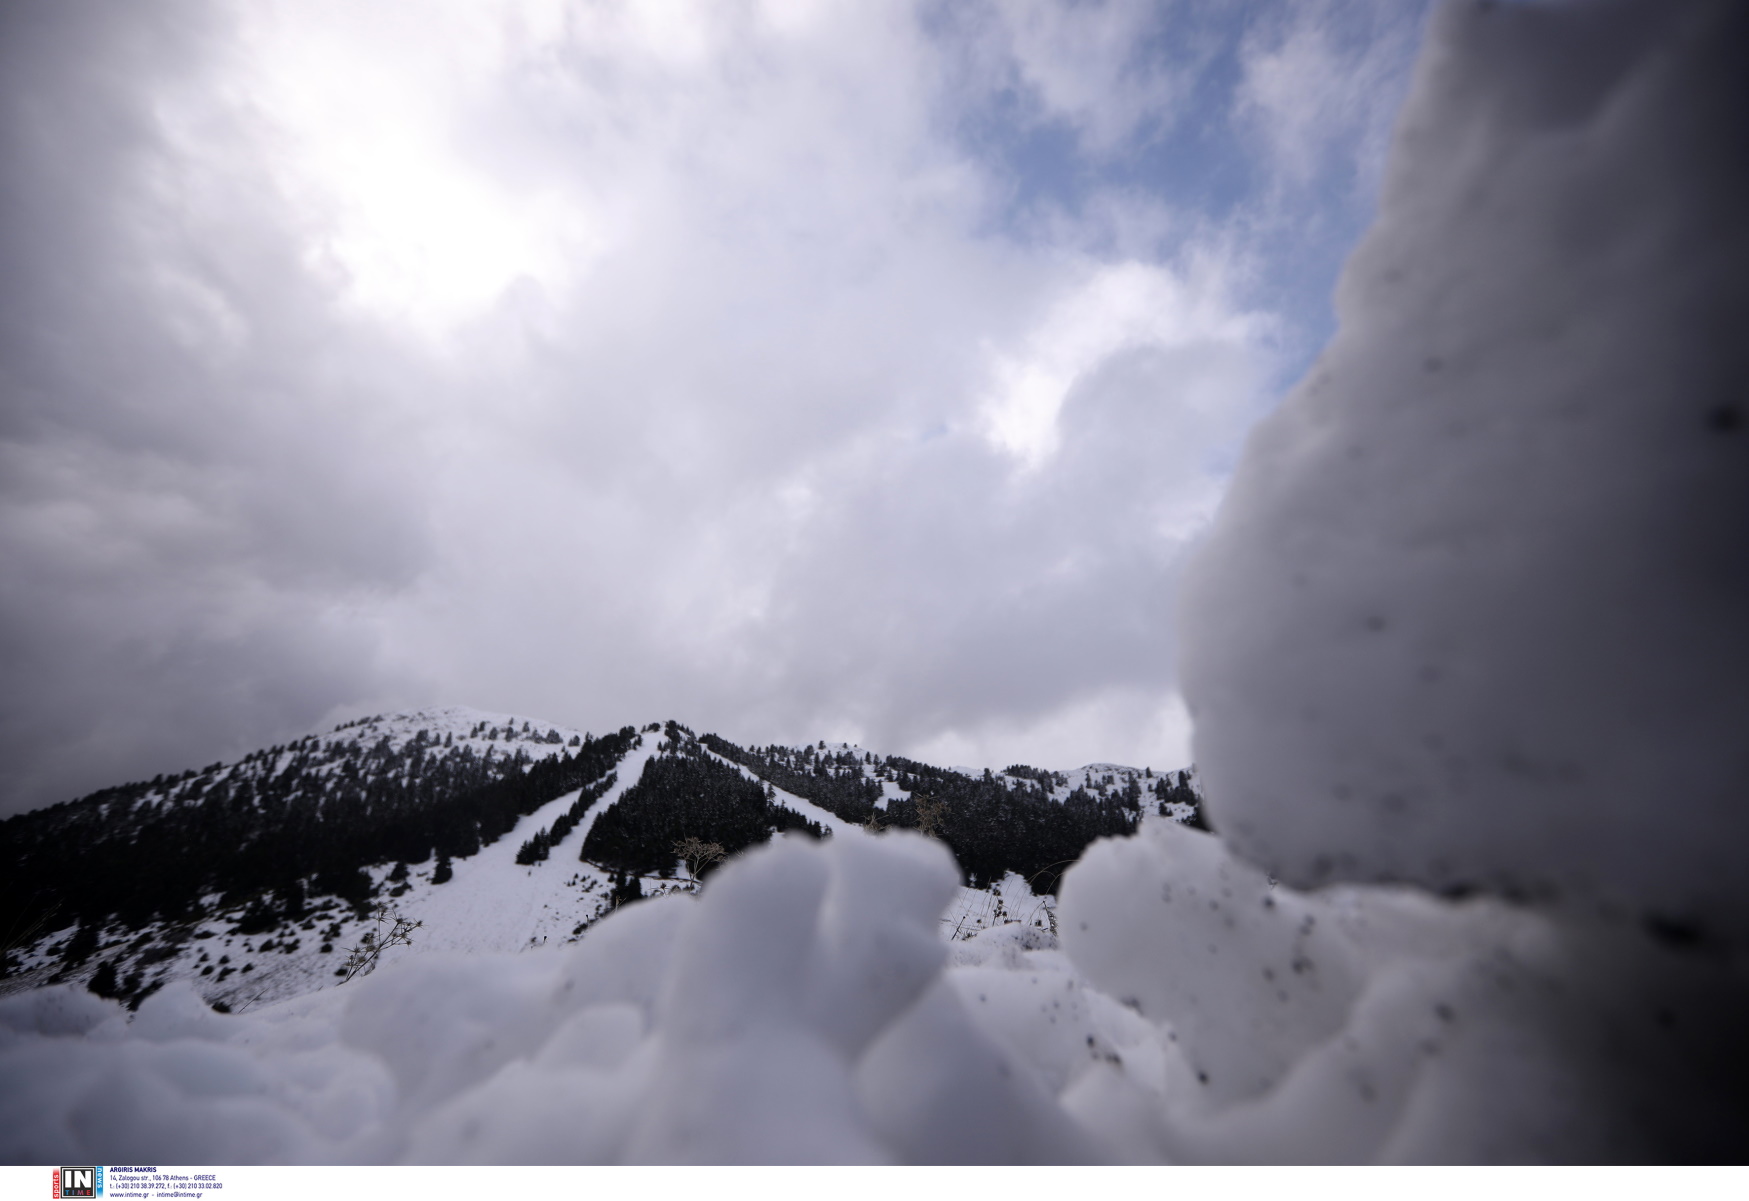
(256, 880)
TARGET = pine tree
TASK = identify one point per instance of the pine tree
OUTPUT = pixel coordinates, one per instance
(104, 982)
(80, 946)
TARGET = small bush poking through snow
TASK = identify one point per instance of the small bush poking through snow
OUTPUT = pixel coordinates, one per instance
(392, 930)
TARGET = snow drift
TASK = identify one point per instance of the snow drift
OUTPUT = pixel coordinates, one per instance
(1472, 612)
(804, 1009)
(1470, 620)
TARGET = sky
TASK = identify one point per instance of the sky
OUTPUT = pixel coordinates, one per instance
(796, 370)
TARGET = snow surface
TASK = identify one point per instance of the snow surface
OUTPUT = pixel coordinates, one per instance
(243, 971)
(1467, 619)
(493, 903)
(805, 1008)
(1472, 612)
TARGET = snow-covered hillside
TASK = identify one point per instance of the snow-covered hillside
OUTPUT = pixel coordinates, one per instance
(269, 939)
(365, 760)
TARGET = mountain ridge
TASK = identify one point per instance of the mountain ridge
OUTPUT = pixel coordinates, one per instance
(253, 878)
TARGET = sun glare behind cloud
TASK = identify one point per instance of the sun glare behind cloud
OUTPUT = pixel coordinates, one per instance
(416, 229)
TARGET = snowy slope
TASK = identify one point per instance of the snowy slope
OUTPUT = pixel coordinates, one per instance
(239, 970)
(491, 903)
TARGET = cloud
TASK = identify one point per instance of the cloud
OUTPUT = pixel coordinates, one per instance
(1095, 67)
(597, 362)
(1321, 83)
(1119, 306)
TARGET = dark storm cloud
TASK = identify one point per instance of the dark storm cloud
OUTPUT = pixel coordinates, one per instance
(585, 365)
(177, 535)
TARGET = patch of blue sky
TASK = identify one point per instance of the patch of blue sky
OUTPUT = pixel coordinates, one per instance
(1201, 155)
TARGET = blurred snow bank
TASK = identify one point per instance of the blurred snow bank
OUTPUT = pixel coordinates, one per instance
(1472, 615)
(796, 1012)
(1470, 619)
(804, 1009)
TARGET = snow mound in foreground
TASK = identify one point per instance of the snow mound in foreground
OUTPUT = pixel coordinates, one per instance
(797, 1012)
(803, 1010)
(1472, 613)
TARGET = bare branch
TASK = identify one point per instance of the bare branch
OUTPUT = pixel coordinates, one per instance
(363, 958)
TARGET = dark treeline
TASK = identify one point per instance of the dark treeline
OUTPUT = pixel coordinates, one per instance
(489, 813)
(284, 824)
(833, 781)
(541, 845)
(685, 794)
(1175, 791)
(1049, 779)
(994, 827)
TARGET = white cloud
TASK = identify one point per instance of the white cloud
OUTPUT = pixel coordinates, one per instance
(1090, 65)
(1321, 84)
(1132, 727)
(596, 362)
(1116, 307)
(370, 109)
